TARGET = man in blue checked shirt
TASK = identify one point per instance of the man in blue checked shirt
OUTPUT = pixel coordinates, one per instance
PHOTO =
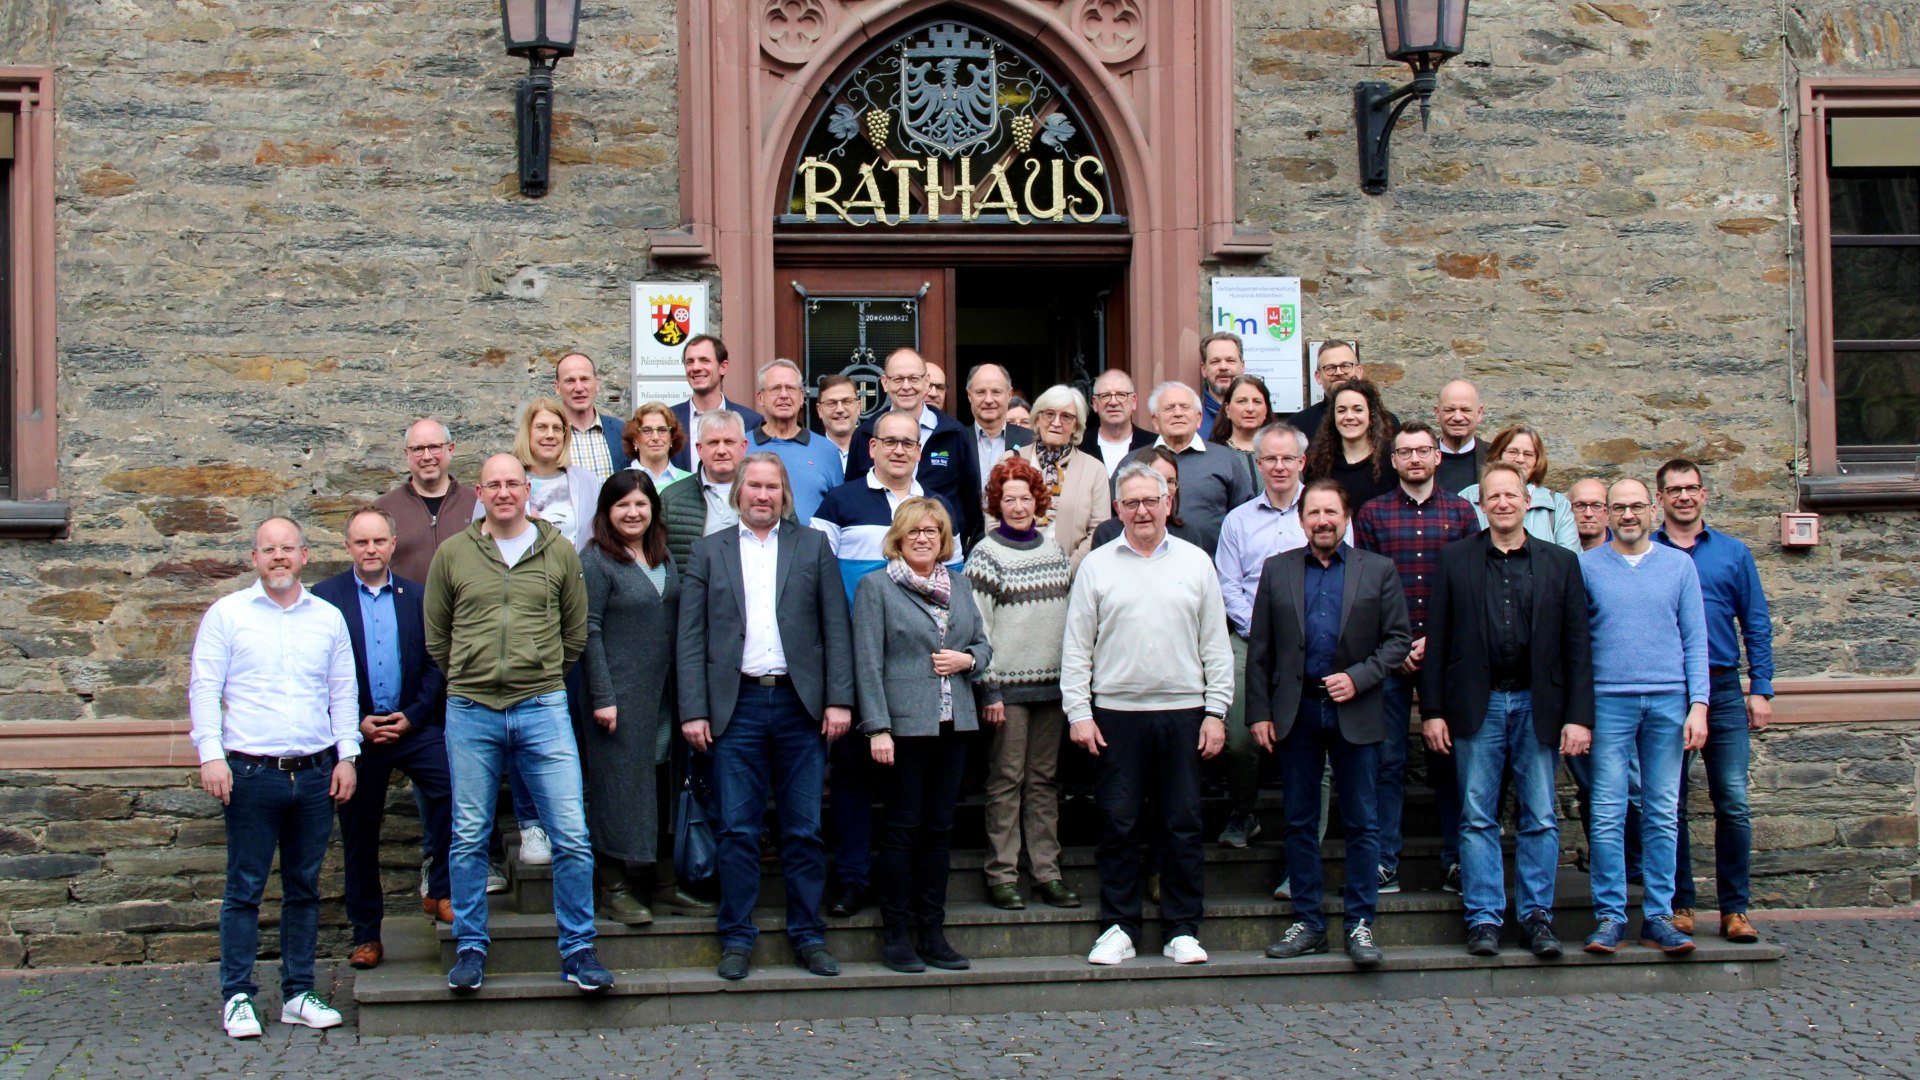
(1736, 611)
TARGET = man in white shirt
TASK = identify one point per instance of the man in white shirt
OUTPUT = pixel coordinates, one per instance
(988, 391)
(1116, 435)
(1146, 676)
(275, 703)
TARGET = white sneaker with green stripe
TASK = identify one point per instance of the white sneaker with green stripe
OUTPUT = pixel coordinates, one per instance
(240, 1018)
(310, 1010)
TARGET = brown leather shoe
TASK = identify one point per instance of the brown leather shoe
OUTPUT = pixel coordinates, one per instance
(1683, 920)
(438, 909)
(366, 955)
(1737, 929)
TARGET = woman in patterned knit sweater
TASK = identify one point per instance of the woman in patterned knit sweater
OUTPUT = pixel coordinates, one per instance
(1020, 580)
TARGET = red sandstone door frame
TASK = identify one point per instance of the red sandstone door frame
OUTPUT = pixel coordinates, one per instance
(932, 285)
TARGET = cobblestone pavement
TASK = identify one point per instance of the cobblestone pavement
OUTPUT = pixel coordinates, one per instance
(1847, 1009)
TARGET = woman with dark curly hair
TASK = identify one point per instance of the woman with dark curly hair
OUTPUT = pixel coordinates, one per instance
(1354, 443)
(1020, 586)
(652, 437)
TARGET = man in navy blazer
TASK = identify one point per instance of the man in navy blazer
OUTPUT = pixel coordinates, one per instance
(402, 710)
(705, 359)
(949, 457)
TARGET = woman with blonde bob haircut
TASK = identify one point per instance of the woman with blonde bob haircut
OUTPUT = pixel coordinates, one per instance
(1075, 481)
(559, 493)
(1549, 514)
(918, 647)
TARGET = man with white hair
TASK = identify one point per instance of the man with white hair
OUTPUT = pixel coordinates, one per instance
(1212, 480)
(696, 505)
(1458, 415)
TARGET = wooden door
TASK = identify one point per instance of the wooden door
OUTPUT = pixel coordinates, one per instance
(845, 321)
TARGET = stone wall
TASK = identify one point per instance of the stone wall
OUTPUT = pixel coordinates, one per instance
(287, 226)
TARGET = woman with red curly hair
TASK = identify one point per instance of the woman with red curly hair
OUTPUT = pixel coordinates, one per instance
(1020, 578)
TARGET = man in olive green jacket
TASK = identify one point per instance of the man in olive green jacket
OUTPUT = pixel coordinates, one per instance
(506, 613)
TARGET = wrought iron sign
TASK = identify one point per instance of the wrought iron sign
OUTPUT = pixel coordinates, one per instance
(949, 124)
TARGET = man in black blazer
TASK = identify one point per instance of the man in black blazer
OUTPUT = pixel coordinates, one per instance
(766, 681)
(1507, 686)
(1113, 435)
(402, 710)
(989, 388)
(1329, 624)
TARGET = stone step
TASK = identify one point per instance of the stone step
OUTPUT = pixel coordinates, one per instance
(525, 942)
(408, 995)
(1249, 869)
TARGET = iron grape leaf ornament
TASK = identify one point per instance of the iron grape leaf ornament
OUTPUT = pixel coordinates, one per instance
(845, 124)
(1056, 131)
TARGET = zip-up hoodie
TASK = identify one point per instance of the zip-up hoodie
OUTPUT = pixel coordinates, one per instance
(505, 634)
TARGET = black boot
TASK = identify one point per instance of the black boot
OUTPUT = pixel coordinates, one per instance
(896, 951)
(935, 950)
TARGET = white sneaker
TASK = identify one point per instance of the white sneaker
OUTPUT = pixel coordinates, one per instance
(1113, 947)
(1284, 890)
(1185, 949)
(535, 848)
(240, 1018)
(310, 1010)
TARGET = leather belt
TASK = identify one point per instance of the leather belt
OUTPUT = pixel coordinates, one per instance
(1717, 671)
(1509, 685)
(284, 764)
(1315, 691)
(767, 680)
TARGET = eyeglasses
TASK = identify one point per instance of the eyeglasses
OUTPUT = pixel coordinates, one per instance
(1406, 453)
(1113, 395)
(924, 532)
(1683, 489)
(650, 432)
(1636, 509)
(895, 442)
(1589, 508)
(906, 380)
(1267, 461)
(494, 486)
(1130, 505)
(1055, 416)
(428, 448)
(1339, 367)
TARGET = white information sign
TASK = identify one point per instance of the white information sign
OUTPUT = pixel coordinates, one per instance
(665, 315)
(1265, 312)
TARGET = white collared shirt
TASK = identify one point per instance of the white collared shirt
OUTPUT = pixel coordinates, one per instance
(720, 512)
(285, 677)
(1197, 444)
(894, 499)
(762, 654)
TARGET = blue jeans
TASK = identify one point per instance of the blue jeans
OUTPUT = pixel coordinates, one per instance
(293, 811)
(1726, 752)
(1390, 783)
(771, 742)
(1314, 738)
(1506, 746)
(536, 737)
(1580, 768)
(1626, 728)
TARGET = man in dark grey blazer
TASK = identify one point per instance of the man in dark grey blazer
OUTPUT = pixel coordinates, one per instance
(1329, 623)
(766, 681)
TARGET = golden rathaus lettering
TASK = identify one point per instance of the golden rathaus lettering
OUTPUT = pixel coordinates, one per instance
(1092, 189)
(1058, 209)
(997, 194)
(816, 198)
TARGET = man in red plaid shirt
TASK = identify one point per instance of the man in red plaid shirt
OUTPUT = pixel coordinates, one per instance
(1410, 525)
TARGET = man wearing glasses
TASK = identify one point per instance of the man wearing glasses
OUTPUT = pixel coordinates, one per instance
(1589, 500)
(1651, 691)
(427, 507)
(838, 409)
(1115, 435)
(813, 464)
(1410, 525)
(1212, 480)
(1338, 361)
(1736, 609)
(949, 465)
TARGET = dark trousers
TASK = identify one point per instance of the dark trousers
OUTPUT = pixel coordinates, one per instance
(771, 743)
(1150, 756)
(1314, 739)
(850, 809)
(919, 789)
(1728, 748)
(268, 809)
(422, 755)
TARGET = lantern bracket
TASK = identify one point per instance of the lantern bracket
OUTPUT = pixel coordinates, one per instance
(1376, 109)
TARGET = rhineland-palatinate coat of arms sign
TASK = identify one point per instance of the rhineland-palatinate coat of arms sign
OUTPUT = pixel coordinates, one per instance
(949, 101)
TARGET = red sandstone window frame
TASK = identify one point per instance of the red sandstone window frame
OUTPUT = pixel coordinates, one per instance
(32, 509)
(1834, 482)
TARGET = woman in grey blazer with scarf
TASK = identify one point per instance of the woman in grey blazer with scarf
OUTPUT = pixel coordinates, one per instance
(918, 648)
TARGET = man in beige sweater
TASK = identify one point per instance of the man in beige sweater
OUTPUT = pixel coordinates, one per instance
(1146, 676)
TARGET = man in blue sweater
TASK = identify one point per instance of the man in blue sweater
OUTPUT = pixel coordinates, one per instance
(1730, 587)
(1650, 703)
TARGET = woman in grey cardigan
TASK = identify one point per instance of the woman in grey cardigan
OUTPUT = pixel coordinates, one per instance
(918, 646)
(633, 603)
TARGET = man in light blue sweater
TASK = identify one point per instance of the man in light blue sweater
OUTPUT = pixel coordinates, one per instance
(1650, 704)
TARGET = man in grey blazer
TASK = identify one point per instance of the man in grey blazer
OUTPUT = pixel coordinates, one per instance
(766, 681)
(1329, 623)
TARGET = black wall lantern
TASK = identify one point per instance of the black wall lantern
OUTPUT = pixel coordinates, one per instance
(543, 31)
(1422, 34)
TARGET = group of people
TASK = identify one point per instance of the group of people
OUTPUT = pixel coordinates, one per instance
(826, 618)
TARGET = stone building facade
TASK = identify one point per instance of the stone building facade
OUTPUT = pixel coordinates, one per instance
(279, 229)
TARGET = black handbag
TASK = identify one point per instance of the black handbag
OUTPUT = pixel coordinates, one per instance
(696, 842)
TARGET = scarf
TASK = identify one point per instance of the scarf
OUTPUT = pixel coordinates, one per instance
(1052, 462)
(934, 593)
